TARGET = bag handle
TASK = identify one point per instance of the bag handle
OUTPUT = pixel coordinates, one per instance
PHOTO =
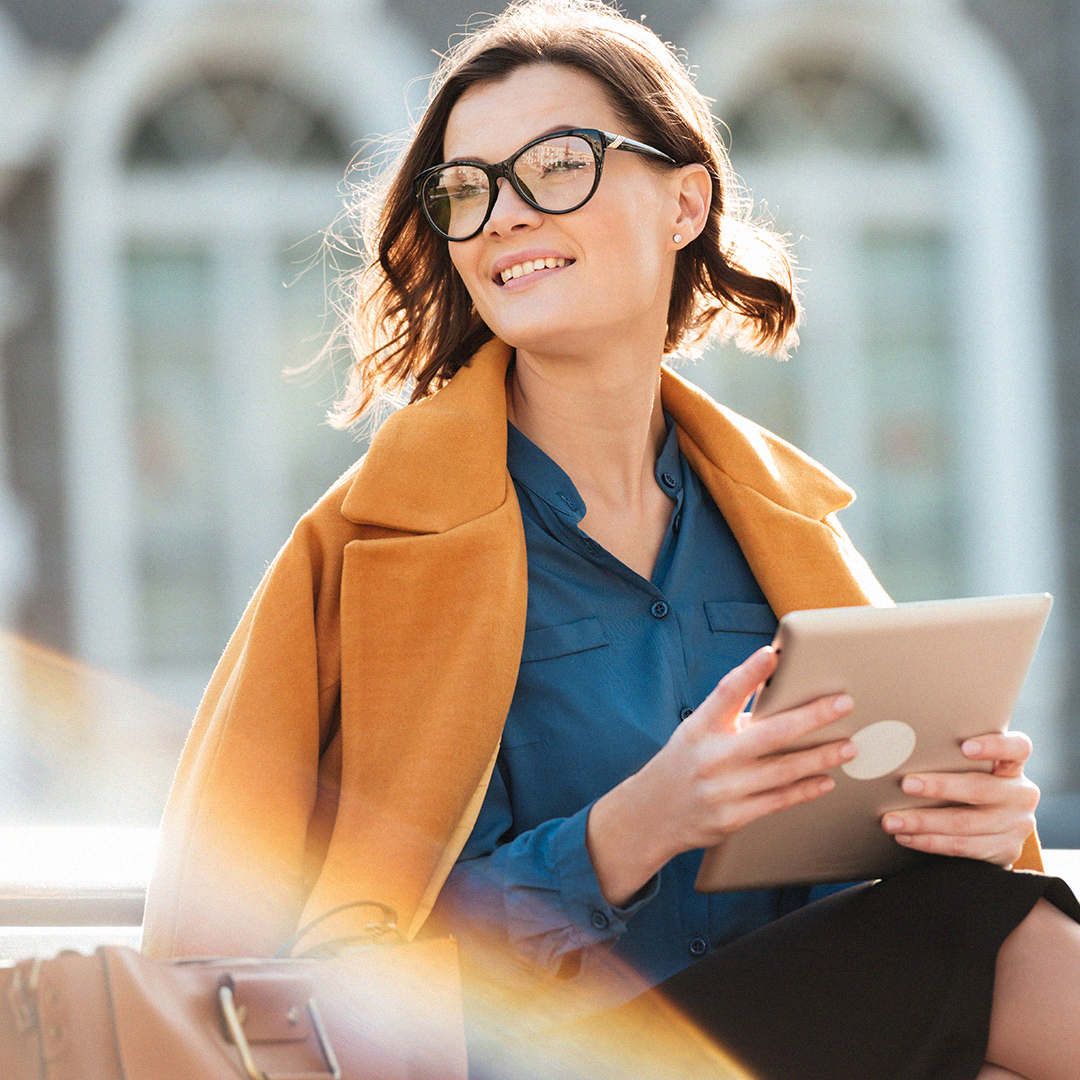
(373, 932)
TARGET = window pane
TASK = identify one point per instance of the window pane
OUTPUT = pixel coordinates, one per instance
(315, 454)
(909, 356)
(828, 102)
(227, 117)
(178, 413)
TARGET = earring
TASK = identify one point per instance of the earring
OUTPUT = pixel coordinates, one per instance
(678, 238)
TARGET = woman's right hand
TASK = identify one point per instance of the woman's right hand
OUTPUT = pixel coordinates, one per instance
(718, 772)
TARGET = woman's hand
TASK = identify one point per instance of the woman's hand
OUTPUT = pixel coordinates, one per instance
(717, 773)
(998, 813)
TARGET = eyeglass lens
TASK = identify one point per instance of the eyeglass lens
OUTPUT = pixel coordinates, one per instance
(556, 174)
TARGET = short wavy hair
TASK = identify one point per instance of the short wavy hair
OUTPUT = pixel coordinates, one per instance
(409, 319)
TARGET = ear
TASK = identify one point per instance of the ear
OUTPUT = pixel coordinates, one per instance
(693, 187)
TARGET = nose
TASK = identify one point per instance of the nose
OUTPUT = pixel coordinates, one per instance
(510, 212)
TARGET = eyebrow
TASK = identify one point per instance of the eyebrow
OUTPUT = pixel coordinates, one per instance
(538, 135)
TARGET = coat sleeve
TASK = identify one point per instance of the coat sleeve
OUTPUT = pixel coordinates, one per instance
(250, 806)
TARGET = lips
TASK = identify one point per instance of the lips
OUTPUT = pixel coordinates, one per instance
(524, 267)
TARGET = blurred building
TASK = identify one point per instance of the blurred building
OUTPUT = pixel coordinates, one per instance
(167, 168)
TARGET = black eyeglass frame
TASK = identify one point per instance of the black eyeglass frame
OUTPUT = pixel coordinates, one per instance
(599, 142)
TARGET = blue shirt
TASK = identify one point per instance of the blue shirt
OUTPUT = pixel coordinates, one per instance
(611, 664)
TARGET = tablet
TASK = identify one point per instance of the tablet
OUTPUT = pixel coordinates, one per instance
(925, 676)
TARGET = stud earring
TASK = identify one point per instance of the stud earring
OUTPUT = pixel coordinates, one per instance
(678, 238)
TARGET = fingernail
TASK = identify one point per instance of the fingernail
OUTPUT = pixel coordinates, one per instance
(972, 746)
(903, 838)
(912, 785)
(848, 750)
(892, 822)
(827, 784)
(843, 704)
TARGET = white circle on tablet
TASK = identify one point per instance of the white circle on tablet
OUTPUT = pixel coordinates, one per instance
(882, 747)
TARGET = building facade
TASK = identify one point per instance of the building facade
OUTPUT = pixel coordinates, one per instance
(167, 169)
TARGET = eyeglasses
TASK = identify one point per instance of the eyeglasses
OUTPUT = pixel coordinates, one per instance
(556, 173)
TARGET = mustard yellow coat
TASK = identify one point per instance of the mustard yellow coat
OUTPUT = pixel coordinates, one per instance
(346, 739)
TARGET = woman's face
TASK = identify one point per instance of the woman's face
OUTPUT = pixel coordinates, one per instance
(614, 256)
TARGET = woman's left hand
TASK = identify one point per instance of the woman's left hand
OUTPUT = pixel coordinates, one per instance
(998, 811)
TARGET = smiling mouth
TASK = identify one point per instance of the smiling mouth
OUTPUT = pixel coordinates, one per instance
(530, 266)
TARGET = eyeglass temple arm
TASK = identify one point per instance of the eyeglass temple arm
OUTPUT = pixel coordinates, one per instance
(621, 142)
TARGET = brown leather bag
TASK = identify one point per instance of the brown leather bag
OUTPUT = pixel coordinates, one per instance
(377, 1012)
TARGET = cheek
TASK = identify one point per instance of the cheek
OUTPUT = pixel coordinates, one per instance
(464, 263)
(458, 262)
(635, 232)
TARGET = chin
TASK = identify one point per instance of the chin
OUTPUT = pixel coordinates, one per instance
(533, 335)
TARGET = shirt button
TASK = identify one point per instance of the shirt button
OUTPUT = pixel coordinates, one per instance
(599, 920)
(685, 712)
(659, 609)
(698, 947)
(668, 480)
(677, 523)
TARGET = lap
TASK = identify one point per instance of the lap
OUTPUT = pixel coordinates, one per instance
(889, 979)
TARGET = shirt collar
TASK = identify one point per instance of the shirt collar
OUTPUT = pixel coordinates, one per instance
(535, 470)
(669, 463)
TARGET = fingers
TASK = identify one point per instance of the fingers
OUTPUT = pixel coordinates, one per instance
(741, 812)
(777, 732)
(742, 791)
(993, 826)
(1002, 850)
(785, 769)
(1010, 746)
(952, 820)
(721, 711)
(975, 788)
(1008, 751)
(722, 707)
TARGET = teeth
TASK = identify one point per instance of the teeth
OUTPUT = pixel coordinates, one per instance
(521, 269)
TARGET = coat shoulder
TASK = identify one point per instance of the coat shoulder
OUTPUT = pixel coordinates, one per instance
(750, 455)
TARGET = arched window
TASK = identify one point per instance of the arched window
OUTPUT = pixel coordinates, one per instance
(228, 182)
(195, 188)
(857, 179)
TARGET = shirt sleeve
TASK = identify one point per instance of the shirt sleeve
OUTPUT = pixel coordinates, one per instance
(535, 894)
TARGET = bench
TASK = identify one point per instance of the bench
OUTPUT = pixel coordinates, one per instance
(77, 888)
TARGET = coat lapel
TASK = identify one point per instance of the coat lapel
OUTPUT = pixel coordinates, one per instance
(441, 462)
(433, 619)
(779, 503)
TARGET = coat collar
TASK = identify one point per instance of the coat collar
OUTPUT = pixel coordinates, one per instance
(750, 456)
(441, 462)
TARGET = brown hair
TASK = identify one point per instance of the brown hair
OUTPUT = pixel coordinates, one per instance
(409, 317)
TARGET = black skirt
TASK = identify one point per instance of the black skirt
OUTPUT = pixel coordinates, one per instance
(891, 980)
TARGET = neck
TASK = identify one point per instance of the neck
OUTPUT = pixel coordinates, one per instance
(599, 418)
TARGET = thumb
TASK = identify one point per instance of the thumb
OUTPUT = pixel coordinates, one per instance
(722, 708)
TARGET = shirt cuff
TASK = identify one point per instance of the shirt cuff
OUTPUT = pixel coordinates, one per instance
(593, 918)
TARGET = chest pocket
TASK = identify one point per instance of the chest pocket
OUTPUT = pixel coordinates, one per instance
(730, 617)
(549, 642)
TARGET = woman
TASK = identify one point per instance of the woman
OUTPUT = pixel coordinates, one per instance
(563, 218)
